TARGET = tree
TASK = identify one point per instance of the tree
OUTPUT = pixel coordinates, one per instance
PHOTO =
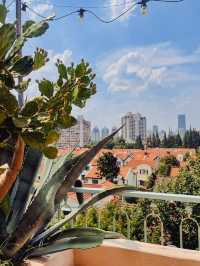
(166, 163)
(108, 167)
(138, 143)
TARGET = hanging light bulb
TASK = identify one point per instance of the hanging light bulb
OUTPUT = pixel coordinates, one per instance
(81, 13)
(24, 6)
(144, 10)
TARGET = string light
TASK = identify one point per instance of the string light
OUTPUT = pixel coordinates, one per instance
(81, 12)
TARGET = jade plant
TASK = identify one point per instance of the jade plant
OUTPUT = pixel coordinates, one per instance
(27, 134)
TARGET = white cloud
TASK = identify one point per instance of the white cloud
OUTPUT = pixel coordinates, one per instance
(143, 68)
(49, 71)
(44, 9)
(118, 7)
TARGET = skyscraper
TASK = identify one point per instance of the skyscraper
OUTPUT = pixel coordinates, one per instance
(95, 134)
(155, 129)
(181, 124)
(104, 132)
(134, 126)
(76, 135)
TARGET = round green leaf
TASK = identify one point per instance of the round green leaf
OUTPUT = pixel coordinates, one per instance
(50, 152)
(24, 65)
(52, 137)
(34, 139)
(20, 122)
(46, 87)
(30, 109)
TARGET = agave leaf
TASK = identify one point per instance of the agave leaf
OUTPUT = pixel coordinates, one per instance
(83, 232)
(53, 229)
(23, 188)
(53, 191)
(3, 13)
(68, 243)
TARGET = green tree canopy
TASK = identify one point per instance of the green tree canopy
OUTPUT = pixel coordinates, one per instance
(107, 166)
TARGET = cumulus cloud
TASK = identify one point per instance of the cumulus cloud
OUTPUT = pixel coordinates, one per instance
(49, 71)
(142, 68)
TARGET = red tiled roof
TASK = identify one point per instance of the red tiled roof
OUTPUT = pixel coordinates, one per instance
(124, 170)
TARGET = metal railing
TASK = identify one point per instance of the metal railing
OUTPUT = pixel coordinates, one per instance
(154, 213)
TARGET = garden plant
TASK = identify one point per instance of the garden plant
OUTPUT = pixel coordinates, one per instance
(29, 132)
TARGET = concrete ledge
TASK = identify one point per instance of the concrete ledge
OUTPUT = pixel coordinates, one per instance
(123, 253)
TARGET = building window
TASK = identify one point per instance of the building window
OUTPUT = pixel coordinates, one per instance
(94, 181)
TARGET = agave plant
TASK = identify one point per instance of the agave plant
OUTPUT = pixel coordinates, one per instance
(27, 134)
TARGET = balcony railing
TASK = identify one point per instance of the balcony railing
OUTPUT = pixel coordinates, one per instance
(154, 213)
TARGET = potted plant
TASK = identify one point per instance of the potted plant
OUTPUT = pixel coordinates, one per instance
(28, 132)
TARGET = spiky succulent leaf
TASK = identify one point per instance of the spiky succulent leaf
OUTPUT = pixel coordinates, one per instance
(67, 243)
(83, 232)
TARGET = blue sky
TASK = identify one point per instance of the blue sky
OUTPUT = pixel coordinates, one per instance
(148, 64)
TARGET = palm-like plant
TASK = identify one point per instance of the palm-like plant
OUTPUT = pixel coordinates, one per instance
(32, 130)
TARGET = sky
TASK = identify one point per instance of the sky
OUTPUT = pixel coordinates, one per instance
(148, 64)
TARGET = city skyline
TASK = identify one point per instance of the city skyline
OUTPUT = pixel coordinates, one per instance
(155, 73)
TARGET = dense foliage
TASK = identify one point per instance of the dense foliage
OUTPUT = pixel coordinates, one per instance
(171, 213)
(165, 165)
(108, 167)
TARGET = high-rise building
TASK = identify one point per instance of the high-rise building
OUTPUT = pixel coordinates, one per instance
(116, 135)
(95, 134)
(134, 126)
(78, 135)
(104, 132)
(181, 124)
(155, 129)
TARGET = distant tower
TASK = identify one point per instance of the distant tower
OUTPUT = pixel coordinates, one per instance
(95, 134)
(104, 132)
(181, 124)
(155, 129)
(134, 126)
